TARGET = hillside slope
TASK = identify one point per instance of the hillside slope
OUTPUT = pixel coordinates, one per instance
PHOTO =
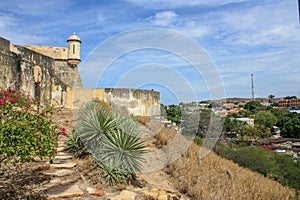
(214, 177)
(211, 177)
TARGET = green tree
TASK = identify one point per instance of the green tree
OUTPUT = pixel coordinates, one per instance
(271, 96)
(204, 120)
(173, 113)
(254, 106)
(241, 113)
(265, 118)
(291, 126)
(280, 114)
(290, 97)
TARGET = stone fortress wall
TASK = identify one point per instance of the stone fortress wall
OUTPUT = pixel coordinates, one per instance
(51, 76)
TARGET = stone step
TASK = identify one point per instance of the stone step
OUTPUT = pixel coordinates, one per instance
(125, 194)
(59, 182)
(61, 148)
(55, 161)
(62, 157)
(63, 165)
(59, 172)
(62, 153)
(67, 191)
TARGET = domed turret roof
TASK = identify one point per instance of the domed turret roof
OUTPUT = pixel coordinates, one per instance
(74, 37)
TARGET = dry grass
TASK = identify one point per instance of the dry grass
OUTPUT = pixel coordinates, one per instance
(144, 120)
(213, 177)
(164, 136)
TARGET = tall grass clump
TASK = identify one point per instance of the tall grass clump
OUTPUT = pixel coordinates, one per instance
(113, 140)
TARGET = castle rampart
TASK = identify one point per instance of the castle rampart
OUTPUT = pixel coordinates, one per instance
(51, 76)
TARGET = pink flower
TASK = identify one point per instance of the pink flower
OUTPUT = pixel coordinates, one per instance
(13, 100)
(6, 95)
(2, 101)
(64, 131)
(11, 90)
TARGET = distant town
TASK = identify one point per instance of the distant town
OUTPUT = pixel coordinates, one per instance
(272, 123)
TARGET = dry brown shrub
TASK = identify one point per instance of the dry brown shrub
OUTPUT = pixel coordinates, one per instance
(105, 106)
(164, 136)
(144, 120)
(213, 177)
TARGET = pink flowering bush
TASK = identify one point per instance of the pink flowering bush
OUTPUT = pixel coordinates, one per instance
(25, 132)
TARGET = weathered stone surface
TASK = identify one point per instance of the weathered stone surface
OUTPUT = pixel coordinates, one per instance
(63, 157)
(64, 192)
(60, 149)
(162, 192)
(154, 190)
(121, 187)
(125, 195)
(94, 191)
(162, 197)
(151, 194)
(62, 153)
(59, 172)
(58, 181)
(63, 165)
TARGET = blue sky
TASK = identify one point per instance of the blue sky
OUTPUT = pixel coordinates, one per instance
(240, 36)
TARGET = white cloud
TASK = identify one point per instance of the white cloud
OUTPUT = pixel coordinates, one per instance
(165, 18)
(266, 24)
(180, 3)
(171, 19)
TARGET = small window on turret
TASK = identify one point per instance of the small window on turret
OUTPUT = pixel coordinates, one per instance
(73, 48)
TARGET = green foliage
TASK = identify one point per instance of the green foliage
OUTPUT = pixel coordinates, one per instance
(113, 140)
(254, 106)
(232, 125)
(241, 113)
(173, 113)
(25, 133)
(75, 146)
(271, 96)
(198, 140)
(281, 168)
(290, 97)
(291, 126)
(110, 174)
(204, 121)
(280, 113)
(265, 118)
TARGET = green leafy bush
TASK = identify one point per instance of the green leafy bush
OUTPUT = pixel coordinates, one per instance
(113, 140)
(25, 132)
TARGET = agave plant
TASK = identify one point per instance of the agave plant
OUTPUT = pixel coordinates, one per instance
(75, 146)
(113, 140)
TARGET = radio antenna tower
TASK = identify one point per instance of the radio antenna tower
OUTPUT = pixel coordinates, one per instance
(252, 88)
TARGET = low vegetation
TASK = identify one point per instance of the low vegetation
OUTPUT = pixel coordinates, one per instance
(214, 177)
(112, 140)
(25, 130)
(281, 168)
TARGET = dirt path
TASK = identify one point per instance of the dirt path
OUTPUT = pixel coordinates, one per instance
(68, 174)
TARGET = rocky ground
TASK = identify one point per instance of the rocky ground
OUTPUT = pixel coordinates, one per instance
(71, 178)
